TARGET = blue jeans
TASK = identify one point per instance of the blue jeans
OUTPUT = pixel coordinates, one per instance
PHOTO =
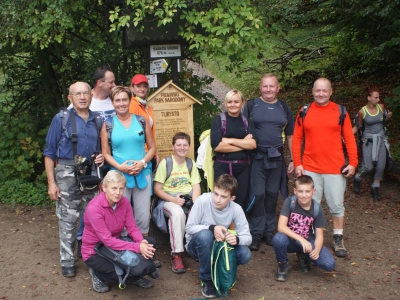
(200, 248)
(81, 225)
(284, 245)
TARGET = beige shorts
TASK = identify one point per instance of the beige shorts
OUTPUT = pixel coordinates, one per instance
(332, 186)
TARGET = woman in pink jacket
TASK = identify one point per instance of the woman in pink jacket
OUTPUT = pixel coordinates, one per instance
(105, 218)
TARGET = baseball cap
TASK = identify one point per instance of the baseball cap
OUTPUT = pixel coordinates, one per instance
(139, 78)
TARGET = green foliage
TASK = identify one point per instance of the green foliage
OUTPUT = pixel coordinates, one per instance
(20, 148)
(21, 191)
(394, 105)
(205, 113)
(221, 27)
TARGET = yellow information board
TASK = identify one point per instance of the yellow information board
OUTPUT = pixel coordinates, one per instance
(173, 112)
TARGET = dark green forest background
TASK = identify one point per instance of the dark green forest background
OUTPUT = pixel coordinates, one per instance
(47, 45)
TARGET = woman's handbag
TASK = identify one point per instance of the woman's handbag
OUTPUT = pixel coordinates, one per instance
(127, 262)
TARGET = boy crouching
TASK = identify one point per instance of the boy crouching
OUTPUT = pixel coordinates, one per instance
(209, 219)
(301, 231)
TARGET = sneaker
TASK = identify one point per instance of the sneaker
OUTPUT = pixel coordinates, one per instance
(255, 245)
(177, 265)
(356, 186)
(144, 283)
(304, 264)
(98, 285)
(68, 272)
(79, 251)
(281, 274)
(208, 289)
(338, 245)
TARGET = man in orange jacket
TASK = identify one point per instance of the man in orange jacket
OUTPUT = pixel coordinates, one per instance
(323, 158)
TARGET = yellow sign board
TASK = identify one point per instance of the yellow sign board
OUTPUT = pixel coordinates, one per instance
(173, 112)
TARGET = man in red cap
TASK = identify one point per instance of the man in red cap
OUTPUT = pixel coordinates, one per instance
(140, 89)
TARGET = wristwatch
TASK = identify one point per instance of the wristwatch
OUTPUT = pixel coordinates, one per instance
(144, 163)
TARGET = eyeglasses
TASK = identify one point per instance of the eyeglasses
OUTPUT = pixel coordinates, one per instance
(85, 94)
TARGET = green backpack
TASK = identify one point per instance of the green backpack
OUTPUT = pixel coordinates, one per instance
(223, 267)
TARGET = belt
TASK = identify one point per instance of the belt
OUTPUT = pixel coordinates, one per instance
(231, 162)
(68, 162)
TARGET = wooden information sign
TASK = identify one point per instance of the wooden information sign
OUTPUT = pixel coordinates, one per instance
(173, 112)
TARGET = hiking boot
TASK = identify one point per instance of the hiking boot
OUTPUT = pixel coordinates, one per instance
(79, 249)
(338, 245)
(68, 272)
(208, 289)
(268, 239)
(356, 186)
(255, 245)
(144, 283)
(281, 274)
(375, 193)
(304, 264)
(177, 265)
(98, 285)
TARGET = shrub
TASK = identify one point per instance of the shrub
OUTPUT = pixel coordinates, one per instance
(21, 191)
(21, 147)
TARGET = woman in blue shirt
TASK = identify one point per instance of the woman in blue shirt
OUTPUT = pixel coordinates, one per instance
(124, 149)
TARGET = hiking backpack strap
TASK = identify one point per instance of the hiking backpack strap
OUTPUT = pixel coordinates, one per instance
(169, 165)
(142, 122)
(293, 202)
(342, 116)
(74, 135)
(222, 116)
(109, 127)
(64, 115)
(97, 123)
(302, 114)
(285, 108)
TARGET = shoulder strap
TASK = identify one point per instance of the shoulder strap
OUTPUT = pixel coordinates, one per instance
(169, 165)
(250, 105)
(64, 115)
(302, 113)
(142, 122)
(97, 122)
(316, 208)
(189, 164)
(342, 116)
(109, 128)
(74, 136)
(222, 116)
(285, 107)
(292, 204)
(245, 121)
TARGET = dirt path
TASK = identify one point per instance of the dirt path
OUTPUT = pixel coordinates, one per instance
(29, 259)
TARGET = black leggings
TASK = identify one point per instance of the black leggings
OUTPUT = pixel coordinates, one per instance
(105, 271)
(241, 172)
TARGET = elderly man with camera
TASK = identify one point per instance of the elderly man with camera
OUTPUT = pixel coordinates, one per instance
(69, 145)
(177, 180)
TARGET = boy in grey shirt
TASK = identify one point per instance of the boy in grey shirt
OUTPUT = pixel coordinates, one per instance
(209, 220)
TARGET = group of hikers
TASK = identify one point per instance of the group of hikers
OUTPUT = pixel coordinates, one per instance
(110, 129)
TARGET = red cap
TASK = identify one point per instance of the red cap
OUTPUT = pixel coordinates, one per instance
(139, 78)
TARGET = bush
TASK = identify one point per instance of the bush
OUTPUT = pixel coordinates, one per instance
(21, 191)
(21, 147)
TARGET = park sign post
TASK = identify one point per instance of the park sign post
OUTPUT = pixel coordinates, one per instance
(158, 66)
(165, 51)
(173, 112)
